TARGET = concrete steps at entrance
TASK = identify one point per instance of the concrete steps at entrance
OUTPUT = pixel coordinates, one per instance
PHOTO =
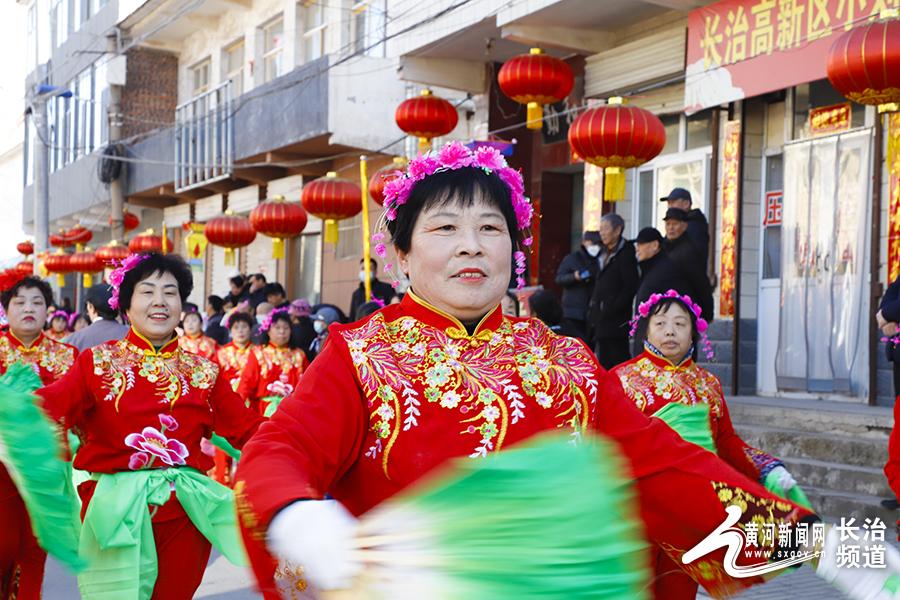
(835, 450)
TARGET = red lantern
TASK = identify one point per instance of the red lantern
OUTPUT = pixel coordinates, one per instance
(86, 262)
(149, 242)
(616, 137)
(79, 235)
(26, 268)
(230, 231)
(59, 240)
(130, 221)
(58, 263)
(535, 79)
(426, 117)
(863, 64)
(382, 176)
(112, 253)
(278, 219)
(332, 199)
(26, 248)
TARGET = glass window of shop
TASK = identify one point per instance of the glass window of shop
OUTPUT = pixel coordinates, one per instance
(306, 264)
(349, 241)
(815, 95)
(683, 162)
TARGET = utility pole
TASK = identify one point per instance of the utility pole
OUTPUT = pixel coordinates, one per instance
(41, 175)
(38, 107)
(114, 116)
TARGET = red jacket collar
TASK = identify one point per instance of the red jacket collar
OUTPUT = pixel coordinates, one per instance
(659, 360)
(17, 343)
(144, 344)
(431, 315)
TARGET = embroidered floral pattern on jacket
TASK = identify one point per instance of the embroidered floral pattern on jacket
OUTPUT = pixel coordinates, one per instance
(53, 357)
(172, 373)
(202, 345)
(285, 359)
(643, 381)
(491, 379)
(152, 444)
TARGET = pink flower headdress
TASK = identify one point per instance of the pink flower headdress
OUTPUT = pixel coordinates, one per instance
(267, 322)
(117, 276)
(454, 156)
(644, 311)
(60, 313)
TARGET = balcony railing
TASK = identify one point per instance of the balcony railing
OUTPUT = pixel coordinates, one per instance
(204, 139)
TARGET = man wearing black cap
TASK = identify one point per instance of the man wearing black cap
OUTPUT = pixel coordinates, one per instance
(658, 272)
(575, 276)
(697, 226)
(688, 261)
(104, 327)
(613, 294)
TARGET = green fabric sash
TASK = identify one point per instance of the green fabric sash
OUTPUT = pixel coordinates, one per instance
(31, 448)
(691, 422)
(273, 403)
(225, 446)
(117, 536)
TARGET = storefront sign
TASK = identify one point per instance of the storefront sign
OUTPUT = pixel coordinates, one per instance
(893, 163)
(730, 194)
(773, 209)
(742, 48)
(829, 119)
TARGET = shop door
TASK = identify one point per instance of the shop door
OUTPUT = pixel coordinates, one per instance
(770, 272)
(822, 339)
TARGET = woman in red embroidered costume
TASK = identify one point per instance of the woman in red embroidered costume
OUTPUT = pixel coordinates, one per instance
(664, 381)
(25, 303)
(233, 356)
(59, 326)
(273, 369)
(193, 340)
(142, 406)
(444, 374)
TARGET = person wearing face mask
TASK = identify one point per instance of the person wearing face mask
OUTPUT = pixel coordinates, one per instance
(380, 289)
(25, 302)
(576, 274)
(324, 317)
(616, 283)
(273, 369)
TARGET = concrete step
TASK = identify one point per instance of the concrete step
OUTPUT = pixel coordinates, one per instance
(792, 443)
(813, 416)
(833, 505)
(838, 477)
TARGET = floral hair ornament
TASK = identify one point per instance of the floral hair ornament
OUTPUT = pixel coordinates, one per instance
(61, 314)
(702, 326)
(451, 157)
(118, 275)
(267, 322)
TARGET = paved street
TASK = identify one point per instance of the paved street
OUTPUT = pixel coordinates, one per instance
(222, 581)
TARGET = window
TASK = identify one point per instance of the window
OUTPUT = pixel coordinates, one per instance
(368, 27)
(82, 139)
(306, 263)
(273, 49)
(349, 243)
(699, 130)
(313, 31)
(32, 44)
(817, 94)
(100, 95)
(60, 23)
(772, 232)
(233, 66)
(646, 199)
(200, 77)
(671, 123)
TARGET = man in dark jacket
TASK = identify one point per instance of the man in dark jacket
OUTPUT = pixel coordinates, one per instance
(698, 227)
(214, 313)
(688, 261)
(658, 273)
(613, 293)
(257, 291)
(575, 275)
(380, 289)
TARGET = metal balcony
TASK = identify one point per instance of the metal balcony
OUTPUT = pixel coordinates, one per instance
(204, 139)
